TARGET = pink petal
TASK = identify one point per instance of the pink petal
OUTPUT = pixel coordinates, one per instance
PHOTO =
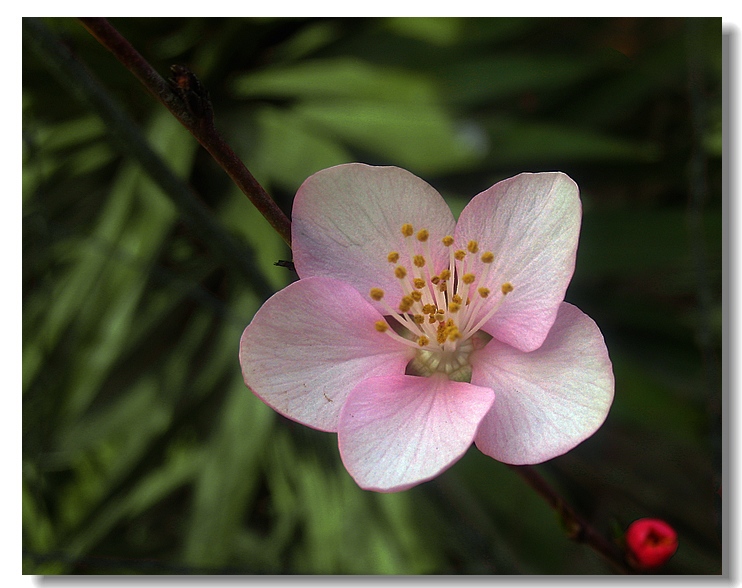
(548, 400)
(348, 218)
(310, 344)
(398, 431)
(531, 223)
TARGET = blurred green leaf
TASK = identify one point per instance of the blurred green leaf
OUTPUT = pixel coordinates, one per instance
(526, 144)
(437, 31)
(336, 78)
(419, 137)
(486, 78)
(228, 480)
(291, 149)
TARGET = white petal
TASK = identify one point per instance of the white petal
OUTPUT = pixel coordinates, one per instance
(548, 400)
(310, 344)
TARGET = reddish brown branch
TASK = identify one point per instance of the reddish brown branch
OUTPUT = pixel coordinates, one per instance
(188, 102)
(578, 529)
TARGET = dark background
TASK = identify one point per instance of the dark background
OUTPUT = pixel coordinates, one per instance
(143, 452)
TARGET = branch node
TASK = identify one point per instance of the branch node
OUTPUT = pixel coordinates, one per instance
(194, 97)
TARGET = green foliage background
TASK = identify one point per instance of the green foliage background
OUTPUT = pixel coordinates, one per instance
(143, 452)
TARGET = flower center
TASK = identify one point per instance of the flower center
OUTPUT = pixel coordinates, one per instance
(441, 312)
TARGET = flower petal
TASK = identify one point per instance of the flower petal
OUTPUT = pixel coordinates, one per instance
(348, 218)
(548, 400)
(310, 344)
(531, 222)
(398, 431)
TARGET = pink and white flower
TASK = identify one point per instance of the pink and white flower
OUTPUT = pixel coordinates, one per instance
(412, 335)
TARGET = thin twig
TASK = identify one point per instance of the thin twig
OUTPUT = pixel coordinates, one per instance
(577, 527)
(189, 103)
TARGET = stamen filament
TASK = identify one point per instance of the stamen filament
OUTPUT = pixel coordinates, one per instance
(490, 313)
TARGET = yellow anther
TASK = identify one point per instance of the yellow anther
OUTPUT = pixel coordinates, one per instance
(406, 303)
(418, 260)
(440, 314)
(442, 287)
(484, 292)
(445, 274)
(422, 235)
(381, 326)
(468, 278)
(416, 295)
(506, 288)
(393, 257)
(423, 341)
(429, 309)
(376, 293)
(488, 257)
(447, 240)
(454, 307)
(419, 319)
(407, 230)
(419, 283)
(400, 272)
(447, 330)
(457, 299)
(459, 254)
(431, 320)
(435, 280)
(441, 334)
(472, 246)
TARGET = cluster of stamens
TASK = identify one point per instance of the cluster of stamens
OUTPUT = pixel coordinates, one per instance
(439, 312)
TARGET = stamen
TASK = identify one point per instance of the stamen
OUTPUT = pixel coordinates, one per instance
(447, 300)
(505, 288)
(441, 334)
(406, 303)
